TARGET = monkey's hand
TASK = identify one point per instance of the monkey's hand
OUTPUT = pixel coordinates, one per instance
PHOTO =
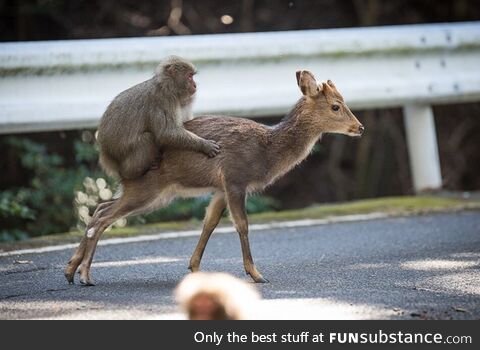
(211, 148)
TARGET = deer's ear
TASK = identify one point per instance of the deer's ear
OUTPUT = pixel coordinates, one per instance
(298, 73)
(331, 84)
(328, 91)
(307, 83)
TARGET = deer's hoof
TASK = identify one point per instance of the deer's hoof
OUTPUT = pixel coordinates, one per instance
(85, 277)
(87, 282)
(260, 279)
(69, 273)
(69, 277)
(193, 268)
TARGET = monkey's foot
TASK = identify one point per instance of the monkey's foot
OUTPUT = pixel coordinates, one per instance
(156, 163)
(154, 166)
(85, 278)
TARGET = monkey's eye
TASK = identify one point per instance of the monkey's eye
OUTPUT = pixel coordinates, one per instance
(336, 108)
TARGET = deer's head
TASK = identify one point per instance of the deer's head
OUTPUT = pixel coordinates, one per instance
(326, 106)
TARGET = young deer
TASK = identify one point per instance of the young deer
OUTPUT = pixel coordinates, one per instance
(253, 156)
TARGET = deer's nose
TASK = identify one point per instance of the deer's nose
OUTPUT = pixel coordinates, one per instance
(361, 129)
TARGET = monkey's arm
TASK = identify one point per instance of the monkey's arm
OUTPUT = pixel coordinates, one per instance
(185, 139)
(169, 132)
(180, 138)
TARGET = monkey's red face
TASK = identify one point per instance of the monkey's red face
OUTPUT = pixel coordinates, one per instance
(192, 86)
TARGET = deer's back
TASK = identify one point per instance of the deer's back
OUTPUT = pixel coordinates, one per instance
(242, 160)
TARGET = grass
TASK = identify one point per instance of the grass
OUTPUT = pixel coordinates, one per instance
(388, 205)
(394, 206)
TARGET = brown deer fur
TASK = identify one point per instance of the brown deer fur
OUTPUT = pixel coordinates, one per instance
(253, 156)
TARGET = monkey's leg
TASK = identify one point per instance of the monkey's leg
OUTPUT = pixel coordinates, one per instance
(212, 217)
(236, 204)
(77, 257)
(140, 158)
(130, 203)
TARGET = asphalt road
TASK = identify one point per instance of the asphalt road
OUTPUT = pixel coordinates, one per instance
(397, 268)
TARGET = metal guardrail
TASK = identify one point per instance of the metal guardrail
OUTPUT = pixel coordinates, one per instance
(58, 85)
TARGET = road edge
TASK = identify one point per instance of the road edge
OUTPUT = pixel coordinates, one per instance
(195, 233)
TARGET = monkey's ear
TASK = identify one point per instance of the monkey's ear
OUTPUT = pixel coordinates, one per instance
(169, 69)
(307, 83)
(165, 68)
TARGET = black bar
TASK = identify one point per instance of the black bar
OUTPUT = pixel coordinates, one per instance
(245, 334)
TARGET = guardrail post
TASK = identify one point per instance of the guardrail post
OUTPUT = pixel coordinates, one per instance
(422, 147)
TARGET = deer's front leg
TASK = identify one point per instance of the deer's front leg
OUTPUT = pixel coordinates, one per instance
(212, 217)
(236, 204)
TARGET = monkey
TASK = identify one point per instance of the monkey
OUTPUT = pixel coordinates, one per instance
(147, 118)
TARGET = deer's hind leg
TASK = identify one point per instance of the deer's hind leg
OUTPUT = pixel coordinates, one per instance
(77, 257)
(128, 204)
(138, 197)
(212, 217)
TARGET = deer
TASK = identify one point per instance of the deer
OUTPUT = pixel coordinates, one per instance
(253, 156)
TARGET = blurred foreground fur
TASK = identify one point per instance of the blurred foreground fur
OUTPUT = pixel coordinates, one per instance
(215, 296)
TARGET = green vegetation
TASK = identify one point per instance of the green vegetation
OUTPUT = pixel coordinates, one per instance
(388, 205)
(45, 206)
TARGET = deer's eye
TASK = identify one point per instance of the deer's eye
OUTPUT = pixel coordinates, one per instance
(336, 108)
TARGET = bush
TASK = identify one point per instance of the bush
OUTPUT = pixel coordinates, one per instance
(46, 204)
(14, 211)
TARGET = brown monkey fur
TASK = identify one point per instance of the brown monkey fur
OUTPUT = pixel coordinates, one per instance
(147, 118)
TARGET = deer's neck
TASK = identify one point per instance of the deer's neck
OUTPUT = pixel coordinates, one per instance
(292, 140)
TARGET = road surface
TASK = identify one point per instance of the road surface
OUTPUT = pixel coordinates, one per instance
(418, 267)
